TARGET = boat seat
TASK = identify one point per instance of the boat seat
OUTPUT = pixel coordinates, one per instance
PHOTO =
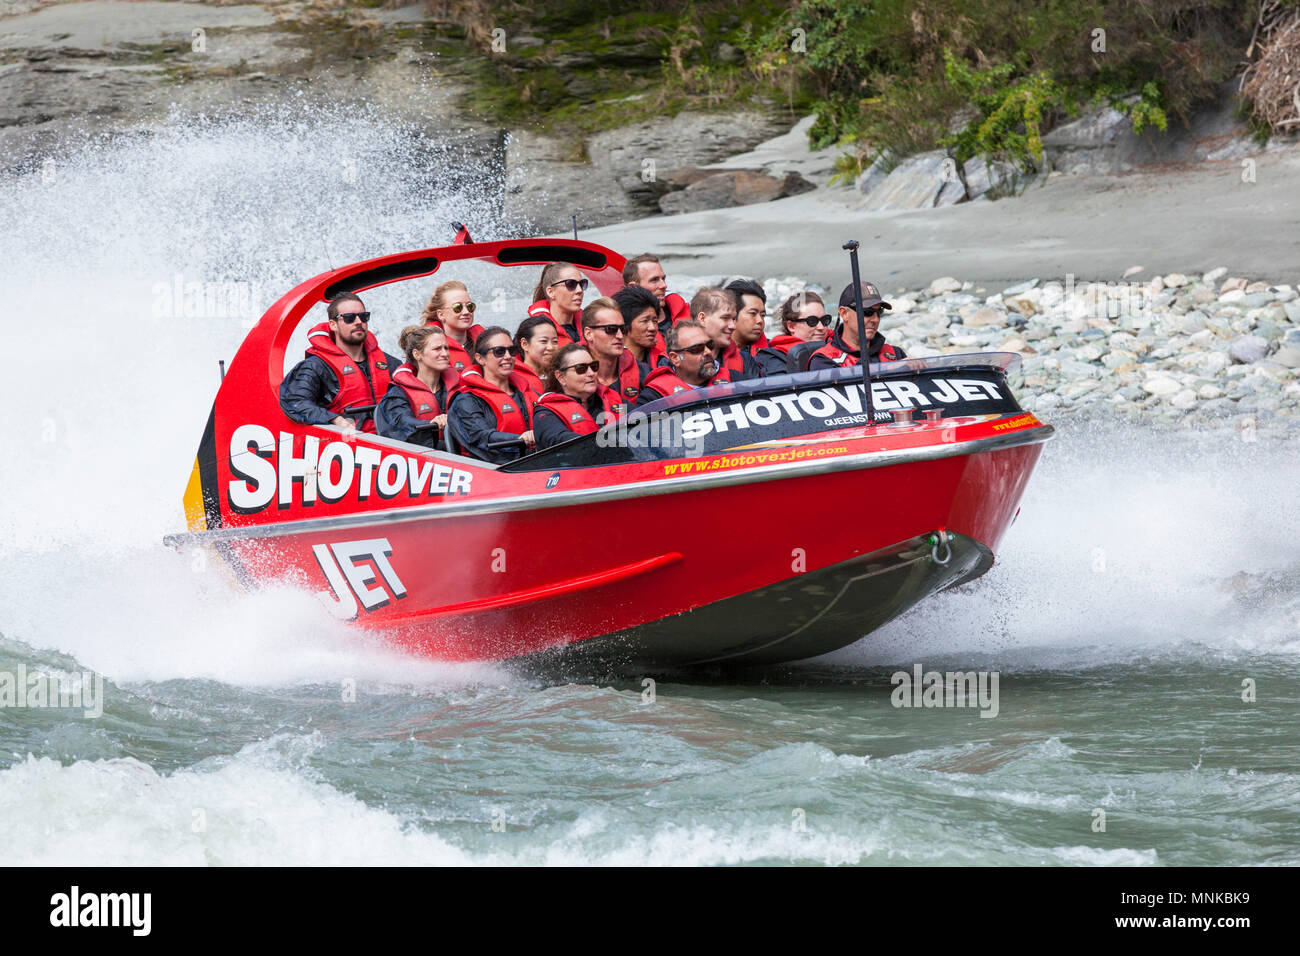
(797, 359)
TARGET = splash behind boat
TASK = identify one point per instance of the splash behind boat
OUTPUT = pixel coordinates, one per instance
(742, 523)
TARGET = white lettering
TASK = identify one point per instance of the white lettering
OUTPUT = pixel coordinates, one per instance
(255, 468)
(441, 477)
(293, 469)
(816, 404)
(418, 479)
(331, 490)
(733, 414)
(367, 459)
(762, 411)
(460, 481)
(396, 466)
(970, 391)
(696, 426)
(945, 392)
(908, 394)
(881, 397)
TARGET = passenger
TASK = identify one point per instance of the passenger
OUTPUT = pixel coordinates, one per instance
(620, 375)
(691, 363)
(451, 309)
(645, 271)
(640, 314)
(715, 309)
(536, 341)
(558, 297)
(842, 349)
(570, 406)
(343, 368)
(418, 395)
(803, 318)
(489, 407)
(751, 315)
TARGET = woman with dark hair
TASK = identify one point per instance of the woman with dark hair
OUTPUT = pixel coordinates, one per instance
(414, 407)
(558, 297)
(803, 318)
(536, 341)
(490, 407)
(451, 309)
(571, 405)
(640, 311)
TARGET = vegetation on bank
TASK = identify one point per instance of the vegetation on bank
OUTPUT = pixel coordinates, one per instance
(890, 77)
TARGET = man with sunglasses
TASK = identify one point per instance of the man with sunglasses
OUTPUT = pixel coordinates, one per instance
(843, 350)
(343, 368)
(803, 319)
(619, 378)
(691, 352)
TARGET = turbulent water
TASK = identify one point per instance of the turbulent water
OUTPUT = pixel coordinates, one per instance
(1151, 582)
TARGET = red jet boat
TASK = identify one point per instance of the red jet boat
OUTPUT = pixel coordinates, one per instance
(745, 523)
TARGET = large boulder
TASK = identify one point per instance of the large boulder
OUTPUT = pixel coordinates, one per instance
(918, 182)
(993, 179)
(733, 187)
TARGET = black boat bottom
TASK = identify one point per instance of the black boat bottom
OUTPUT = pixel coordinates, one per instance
(813, 613)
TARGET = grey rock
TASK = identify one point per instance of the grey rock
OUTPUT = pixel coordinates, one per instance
(1019, 289)
(1292, 311)
(722, 190)
(1248, 349)
(985, 180)
(915, 183)
(1287, 355)
(874, 175)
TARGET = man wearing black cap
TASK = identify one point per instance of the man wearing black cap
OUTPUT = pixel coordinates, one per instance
(842, 350)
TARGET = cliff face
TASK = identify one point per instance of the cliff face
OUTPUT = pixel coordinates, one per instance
(74, 73)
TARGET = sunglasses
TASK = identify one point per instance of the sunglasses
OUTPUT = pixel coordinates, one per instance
(460, 307)
(813, 321)
(581, 367)
(347, 318)
(573, 285)
(696, 349)
(500, 351)
(610, 329)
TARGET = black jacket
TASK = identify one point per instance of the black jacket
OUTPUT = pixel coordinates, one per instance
(396, 420)
(311, 387)
(475, 425)
(877, 343)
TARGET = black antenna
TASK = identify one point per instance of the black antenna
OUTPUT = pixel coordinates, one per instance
(221, 364)
(575, 226)
(864, 352)
(325, 250)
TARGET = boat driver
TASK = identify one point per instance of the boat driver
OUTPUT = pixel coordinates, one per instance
(842, 350)
(343, 368)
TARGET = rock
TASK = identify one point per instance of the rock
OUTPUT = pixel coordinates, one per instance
(1248, 349)
(1231, 285)
(729, 188)
(1133, 270)
(1161, 385)
(1022, 306)
(902, 305)
(953, 192)
(1291, 337)
(1184, 399)
(873, 176)
(1214, 274)
(916, 183)
(1020, 289)
(1175, 279)
(1232, 295)
(1117, 358)
(986, 317)
(944, 285)
(991, 180)
(1287, 355)
(1292, 310)
(1191, 322)
(1088, 353)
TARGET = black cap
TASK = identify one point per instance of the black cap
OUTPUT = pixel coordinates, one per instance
(870, 296)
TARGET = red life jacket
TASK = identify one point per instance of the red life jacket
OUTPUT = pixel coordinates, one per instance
(510, 417)
(732, 364)
(760, 343)
(663, 381)
(542, 307)
(570, 411)
(461, 359)
(424, 403)
(527, 381)
(354, 387)
(844, 359)
(658, 350)
(784, 343)
(678, 308)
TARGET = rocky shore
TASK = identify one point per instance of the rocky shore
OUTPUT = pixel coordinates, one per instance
(1186, 350)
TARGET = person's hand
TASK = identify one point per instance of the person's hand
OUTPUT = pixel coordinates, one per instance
(440, 421)
(342, 422)
(528, 437)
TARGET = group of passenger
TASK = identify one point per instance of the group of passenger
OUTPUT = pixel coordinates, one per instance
(568, 368)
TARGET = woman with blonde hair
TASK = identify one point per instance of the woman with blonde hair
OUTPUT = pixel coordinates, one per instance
(451, 309)
(558, 297)
(414, 407)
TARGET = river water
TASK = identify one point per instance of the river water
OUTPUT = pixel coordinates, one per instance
(1143, 619)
